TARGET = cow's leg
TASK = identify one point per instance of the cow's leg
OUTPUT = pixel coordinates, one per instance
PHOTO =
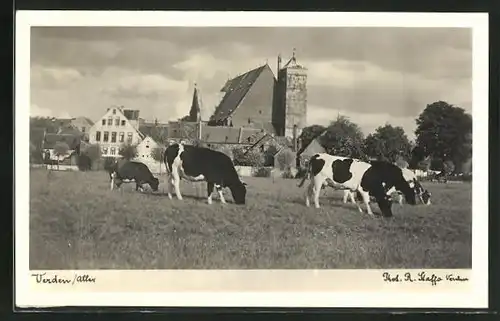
(112, 181)
(366, 199)
(170, 183)
(221, 196)
(309, 193)
(353, 200)
(177, 181)
(318, 182)
(210, 191)
(346, 195)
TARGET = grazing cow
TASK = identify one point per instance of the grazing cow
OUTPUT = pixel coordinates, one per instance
(423, 195)
(129, 172)
(202, 164)
(377, 178)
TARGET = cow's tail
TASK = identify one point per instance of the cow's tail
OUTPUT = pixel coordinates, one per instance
(307, 174)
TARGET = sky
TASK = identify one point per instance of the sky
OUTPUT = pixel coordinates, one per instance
(371, 75)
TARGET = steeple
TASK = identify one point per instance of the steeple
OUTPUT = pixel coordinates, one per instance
(195, 111)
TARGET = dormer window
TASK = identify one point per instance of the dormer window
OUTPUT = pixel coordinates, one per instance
(114, 111)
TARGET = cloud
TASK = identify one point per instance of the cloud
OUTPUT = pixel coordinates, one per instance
(381, 73)
(53, 77)
(36, 111)
(368, 122)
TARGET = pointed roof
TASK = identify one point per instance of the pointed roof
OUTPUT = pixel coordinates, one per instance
(236, 89)
(292, 63)
(195, 111)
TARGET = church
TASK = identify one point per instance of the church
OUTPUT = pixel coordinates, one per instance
(253, 104)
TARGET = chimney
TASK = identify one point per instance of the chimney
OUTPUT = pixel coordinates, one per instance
(294, 138)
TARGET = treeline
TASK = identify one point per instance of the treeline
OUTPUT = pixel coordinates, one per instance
(443, 140)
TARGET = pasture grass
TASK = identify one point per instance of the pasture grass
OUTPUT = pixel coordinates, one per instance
(77, 222)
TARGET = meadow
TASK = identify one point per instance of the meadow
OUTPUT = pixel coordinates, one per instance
(77, 222)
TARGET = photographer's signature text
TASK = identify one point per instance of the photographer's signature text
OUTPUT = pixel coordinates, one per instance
(420, 277)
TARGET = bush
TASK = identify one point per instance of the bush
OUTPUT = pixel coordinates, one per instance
(252, 158)
(128, 151)
(262, 171)
(286, 159)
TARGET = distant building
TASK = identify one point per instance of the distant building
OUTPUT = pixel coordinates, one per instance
(51, 140)
(247, 101)
(257, 99)
(114, 129)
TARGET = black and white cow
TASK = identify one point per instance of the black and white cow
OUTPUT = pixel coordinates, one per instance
(129, 172)
(377, 179)
(423, 195)
(202, 164)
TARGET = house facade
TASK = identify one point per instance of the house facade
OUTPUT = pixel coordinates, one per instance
(113, 130)
(145, 156)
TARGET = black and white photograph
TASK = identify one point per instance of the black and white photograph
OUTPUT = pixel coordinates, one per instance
(307, 148)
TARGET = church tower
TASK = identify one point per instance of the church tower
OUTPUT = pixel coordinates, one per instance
(290, 110)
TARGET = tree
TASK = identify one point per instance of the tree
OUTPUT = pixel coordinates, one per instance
(33, 152)
(157, 155)
(445, 132)
(60, 149)
(93, 152)
(388, 143)
(309, 133)
(159, 134)
(285, 159)
(343, 138)
(244, 157)
(128, 151)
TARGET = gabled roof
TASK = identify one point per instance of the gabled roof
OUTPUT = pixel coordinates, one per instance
(236, 89)
(88, 120)
(52, 139)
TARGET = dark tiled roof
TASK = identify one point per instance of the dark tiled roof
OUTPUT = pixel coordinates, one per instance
(219, 134)
(89, 120)
(158, 132)
(51, 140)
(235, 89)
(250, 135)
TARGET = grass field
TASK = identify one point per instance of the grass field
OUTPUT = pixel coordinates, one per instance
(76, 222)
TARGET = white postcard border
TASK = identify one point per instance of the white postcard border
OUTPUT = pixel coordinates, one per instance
(477, 297)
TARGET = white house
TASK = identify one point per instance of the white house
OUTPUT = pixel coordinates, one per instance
(144, 154)
(114, 129)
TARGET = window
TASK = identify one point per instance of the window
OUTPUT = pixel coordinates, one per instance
(113, 137)
(104, 122)
(117, 121)
(98, 136)
(121, 137)
(104, 150)
(110, 121)
(114, 111)
(83, 129)
(123, 123)
(113, 151)
(106, 137)
(129, 137)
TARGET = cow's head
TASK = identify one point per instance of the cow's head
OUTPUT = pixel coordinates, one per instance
(154, 184)
(385, 205)
(426, 197)
(239, 192)
(407, 188)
